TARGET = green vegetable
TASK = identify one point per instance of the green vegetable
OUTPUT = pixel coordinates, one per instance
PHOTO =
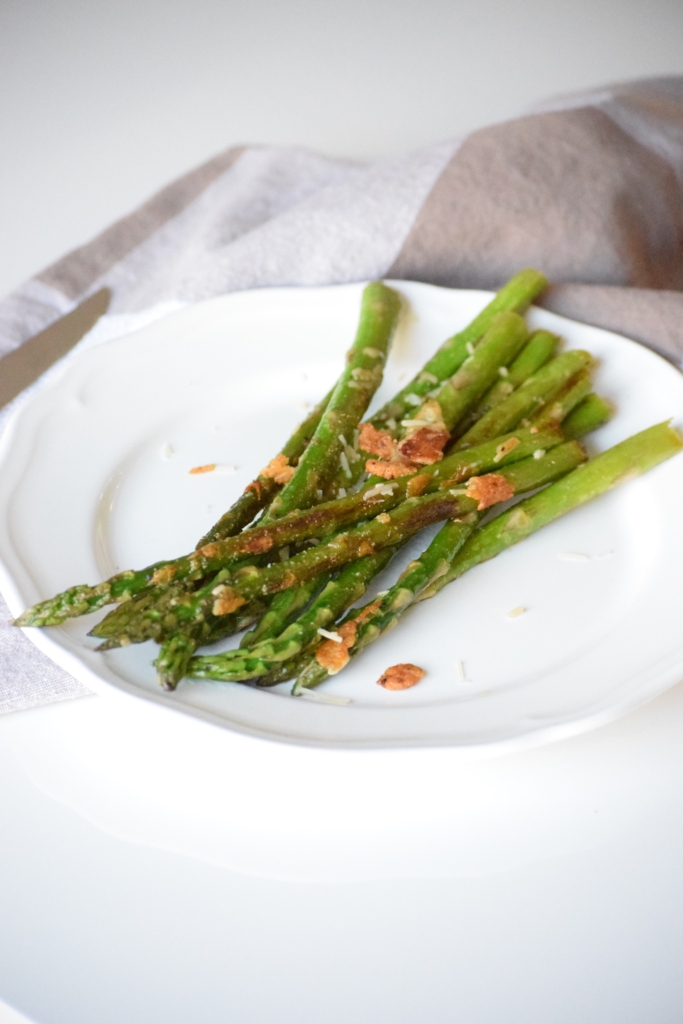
(516, 295)
(380, 307)
(436, 560)
(499, 346)
(239, 665)
(528, 398)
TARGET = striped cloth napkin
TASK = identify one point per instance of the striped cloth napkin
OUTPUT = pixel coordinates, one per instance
(589, 189)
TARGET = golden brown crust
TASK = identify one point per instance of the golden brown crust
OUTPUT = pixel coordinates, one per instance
(333, 655)
(425, 446)
(256, 545)
(376, 442)
(364, 548)
(417, 485)
(505, 448)
(401, 677)
(255, 486)
(366, 612)
(388, 470)
(279, 470)
(489, 489)
(226, 601)
(162, 577)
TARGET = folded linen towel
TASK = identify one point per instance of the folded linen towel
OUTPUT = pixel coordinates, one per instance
(588, 189)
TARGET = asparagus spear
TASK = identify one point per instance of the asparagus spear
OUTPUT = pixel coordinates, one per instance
(240, 665)
(591, 413)
(538, 350)
(228, 592)
(260, 491)
(566, 399)
(350, 398)
(499, 346)
(516, 295)
(218, 628)
(315, 522)
(629, 459)
(528, 398)
(588, 415)
(281, 610)
(436, 560)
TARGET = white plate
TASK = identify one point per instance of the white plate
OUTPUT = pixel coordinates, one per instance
(94, 477)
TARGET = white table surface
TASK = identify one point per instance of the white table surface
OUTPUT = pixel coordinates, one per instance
(551, 889)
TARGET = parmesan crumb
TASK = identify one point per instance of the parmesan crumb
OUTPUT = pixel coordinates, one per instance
(514, 613)
(431, 378)
(503, 371)
(413, 399)
(166, 451)
(470, 348)
(341, 492)
(539, 453)
(460, 671)
(329, 635)
(383, 518)
(374, 353)
(344, 463)
(401, 677)
(379, 489)
(391, 423)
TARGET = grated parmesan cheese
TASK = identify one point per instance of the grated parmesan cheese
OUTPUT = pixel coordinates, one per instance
(329, 635)
(514, 613)
(379, 489)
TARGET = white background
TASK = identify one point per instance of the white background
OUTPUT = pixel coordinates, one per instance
(101, 103)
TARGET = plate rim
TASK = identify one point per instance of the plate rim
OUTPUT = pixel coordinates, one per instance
(72, 663)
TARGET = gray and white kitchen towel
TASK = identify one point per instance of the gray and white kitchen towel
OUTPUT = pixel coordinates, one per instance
(589, 189)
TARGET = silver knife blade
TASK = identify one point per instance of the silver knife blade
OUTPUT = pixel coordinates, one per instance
(24, 365)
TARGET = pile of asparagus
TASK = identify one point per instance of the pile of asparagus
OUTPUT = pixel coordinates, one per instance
(493, 414)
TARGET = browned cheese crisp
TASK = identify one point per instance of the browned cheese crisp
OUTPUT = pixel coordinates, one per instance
(425, 446)
(489, 489)
(279, 470)
(401, 677)
(333, 655)
(376, 442)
